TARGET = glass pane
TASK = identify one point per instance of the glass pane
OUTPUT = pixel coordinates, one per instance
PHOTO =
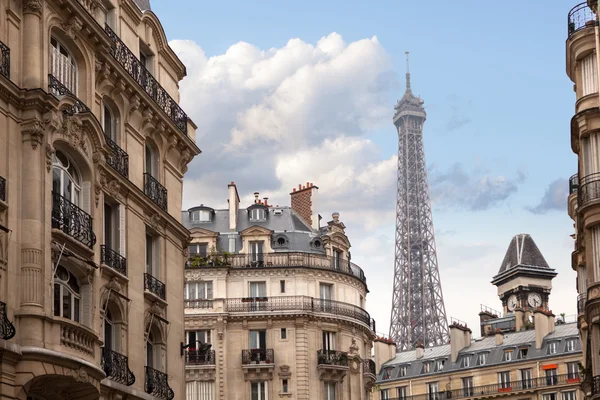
(66, 303)
(108, 334)
(108, 131)
(57, 299)
(76, 307)
(149, 355)
(149, 254)
(56, 187)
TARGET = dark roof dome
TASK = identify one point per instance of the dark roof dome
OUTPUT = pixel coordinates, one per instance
(523, 251)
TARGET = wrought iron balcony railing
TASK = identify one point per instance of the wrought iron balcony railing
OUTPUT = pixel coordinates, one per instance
(581, 16)
(155, 191)
(118, 158)
(258, 356)
(157, 384)
(573, 184)
(155, 286)
(506, 388)
(113, 259)
(589, 189)
(581, 303)
(297, 303)
(58, 89)
(332, 357)
(147, 82)
(369, 367)
(2, 189)
(72, 220)
(4, 60)
(198, 357)
(198, 303)
(7, 329)
(116, 367)
(278, 260)
(596, 385)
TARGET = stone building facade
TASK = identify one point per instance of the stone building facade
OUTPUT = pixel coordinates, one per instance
(274, 307)
(92, 154)
(525, 352)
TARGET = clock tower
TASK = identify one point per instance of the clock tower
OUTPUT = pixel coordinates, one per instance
(524, 280)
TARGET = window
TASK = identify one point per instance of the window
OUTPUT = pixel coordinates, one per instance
(385, 394)
(200, 216)
(589, 75)
(465, 362)
(62, 65)
(387, 373)
(67, 294)
(111, 228)
(526, 378)
(504, 379)
(571, 343)
(426, 367)
(432, 390)
(258, 214)
(258, 339)
(507, 355)
(439, 365)
(552, 347)
(401, 393)
(256, 253)
(152, 347)
(196, 338)
(280, 241)
(201, 290)
(284, 386)
(549, 396)
(258, 289)
(325, 291)
(258, 391)
(66, 180)
(109, 331)
(110, 15)
(150, 164)
(402, 371)
(283, 333)
(200, 249)
(282, 286)
(329, 391)
(467, 386)
(482, 358)
(328, 341)
(232, 244)
(572, 370)
(570, 395)
(523, 353)
(109, 123)
(151, 255)
(551, 377)
(337, 259)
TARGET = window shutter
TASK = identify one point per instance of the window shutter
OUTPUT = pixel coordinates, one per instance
(122, 231)
(86, 305)
(86, 197)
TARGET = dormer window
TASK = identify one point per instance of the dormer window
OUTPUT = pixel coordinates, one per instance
(402, 371)
(200, 216)
(426, 368)
(522, 355)
(552, 347)
(257, 213)
(439, 365)
(571, 344)
(508, 355)
(465, 362)
(482, 358)
(387, 373)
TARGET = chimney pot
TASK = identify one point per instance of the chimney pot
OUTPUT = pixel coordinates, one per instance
(265, 199)
(294, 190)
(299, 186)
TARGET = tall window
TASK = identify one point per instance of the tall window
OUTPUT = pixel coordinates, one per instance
(337, 259)
(150, 166)
(551, 377)
(329, 391)
(258, 391)
(439, 365)
(526, 378)
(62, 65)
(385, 394)
(151, 256)
(467, 386)
(258, 339)
(109, 123)
(328, 341)
(109, 331)
(552, 347)
(570, 395)
(465, 362)
(504, 379)
(482, 358)
(507, 355)
(200, 249)
(67, 294)
(589, 75)
(572, 370)
(549, 396)
(401, 393)
(65, 178)
(402, 371)
(433, 390)
(113, 227)
(325, 291)
(152, 347)
(426, 367)
(256, 252)
(200, 290)
(258, 289)
(571, 343)
(195, 338)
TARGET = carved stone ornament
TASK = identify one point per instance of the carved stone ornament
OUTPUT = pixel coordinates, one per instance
(73, 129)
(33, 131)
(114, 285)
(156, 309)
(135, 103)
(72, 27)
(80, 375)
(49, 156)
(114, 188)
(354, 365)
(32, 7)
(186, 157)
(156, 221)
(353, 347)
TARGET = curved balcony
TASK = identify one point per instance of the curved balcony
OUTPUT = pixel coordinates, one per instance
(297, 303)
(573, 184)
(116, 367)
(581, 303)
(589, 189)
(7, 329)
(157, 384)
(278, 260)
(581, 16)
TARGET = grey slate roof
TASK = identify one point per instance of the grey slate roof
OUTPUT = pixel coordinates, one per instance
(523, 251)
(520, 339)
(143, 4)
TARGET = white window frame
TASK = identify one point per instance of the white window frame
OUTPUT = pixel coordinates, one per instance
(65, 290)
(206, 333)
(482, 358)
(402, 371)
(569, 395)
(194, 249)
(201, 216)
(401, 392)
(526, 375)
(589, 74)
(439, 365)
(258, 214)
(507, 356)
(63, 65)
(329, 391)
(552, 347)
(198, 290)
(467, 386)
(465, 362)
(433, 390)
(328, 338)
(504, 379)
(571, 345)
(67, 174)
(550, 396)
(385, 394)
(572, 370)
(262, 389)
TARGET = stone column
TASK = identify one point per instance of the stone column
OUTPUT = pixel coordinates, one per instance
(32, 44)
(302, 358)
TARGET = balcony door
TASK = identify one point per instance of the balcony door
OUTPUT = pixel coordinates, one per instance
(256, 253)
(526, 378)
(325, 291)
(258, 345)
(328, 343)
(109, 332)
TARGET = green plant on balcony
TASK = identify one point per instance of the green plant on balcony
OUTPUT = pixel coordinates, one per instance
(197, 261)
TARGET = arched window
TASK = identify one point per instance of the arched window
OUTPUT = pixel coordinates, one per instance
(150, 166)
(66, 180)
(62, 65)
(67, 294)
(109, 122)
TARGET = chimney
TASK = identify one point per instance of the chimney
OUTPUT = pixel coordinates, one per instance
(304, 203)
(544, 325)
(499, 337)
(460, 337)
(234, 205)
(256, 200)
(265, 201)
(384, 350)
(420, 350)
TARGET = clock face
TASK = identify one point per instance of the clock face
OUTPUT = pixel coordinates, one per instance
(534, 300)
(511, 303)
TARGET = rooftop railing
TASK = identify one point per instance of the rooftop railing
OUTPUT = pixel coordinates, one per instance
(581, 16)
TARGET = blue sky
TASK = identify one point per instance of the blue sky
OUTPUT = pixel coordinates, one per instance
(497, 134)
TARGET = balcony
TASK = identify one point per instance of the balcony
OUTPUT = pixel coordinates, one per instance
(72, 220)
(369, 374)
(146, 81)
(157, 384)
(580, 16)
(7, 329)
(154, 286)
(113, 260)
(596, 385)
(581, 303)
(59, 90)
(118, 159)
(2, 189)
(4, 60)
(116, 367)
(573, 184)
(198, 303)
(332, 365)
(155, 191)
(589, 189)
(297, 303)
(200, 357)
(258, 364)
(369, 367)
(278, 260)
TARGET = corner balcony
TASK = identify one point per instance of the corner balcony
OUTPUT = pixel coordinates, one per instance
(332, 365)
(72, 220)
(155, 287)
(580, 17)
(588, 190)
(155, 191)
(258, 364)
(114, 260)
(116, 367)
(369, 373)
(157, 384)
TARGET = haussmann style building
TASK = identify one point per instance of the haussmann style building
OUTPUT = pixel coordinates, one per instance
(274, 308)
(93, 150)
(524, 352)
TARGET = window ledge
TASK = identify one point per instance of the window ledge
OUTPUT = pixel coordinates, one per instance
(151, 297)
(78, 246)
(113, 273)
(282, 395)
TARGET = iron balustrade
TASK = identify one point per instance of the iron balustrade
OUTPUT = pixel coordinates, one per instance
(278, 260)
(116, 367)
(581, 303)
(155, 286)
(157, 384)
(58, 89)
(332, 357)
(146, 81)
(369, 367)
(2, 189)
(297, 303)
(499, 388)
(198, 357)
(258, 356)
(155, 191)
(113, 259)
(581, 16)
(4, 60)
(596, 385)
(118, 159)
(573, 183)
(198, 303)
(589, 189)
(7, 329)
(72, 220)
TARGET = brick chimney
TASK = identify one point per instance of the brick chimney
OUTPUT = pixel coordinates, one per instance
(460, 337)
(544, 325)
(419, 351)
(304, 203)
(234, 205)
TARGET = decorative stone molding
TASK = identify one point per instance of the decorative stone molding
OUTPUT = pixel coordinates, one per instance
(33, 131)
(284, 371)
(332, 373)
(258, 372)
(200, 373)
(32, 7)
(354, 364)
(72, 27)
(353, 346)
(134, 104)
(49, 155)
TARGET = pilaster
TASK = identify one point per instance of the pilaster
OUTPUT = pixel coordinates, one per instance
(302, 359)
